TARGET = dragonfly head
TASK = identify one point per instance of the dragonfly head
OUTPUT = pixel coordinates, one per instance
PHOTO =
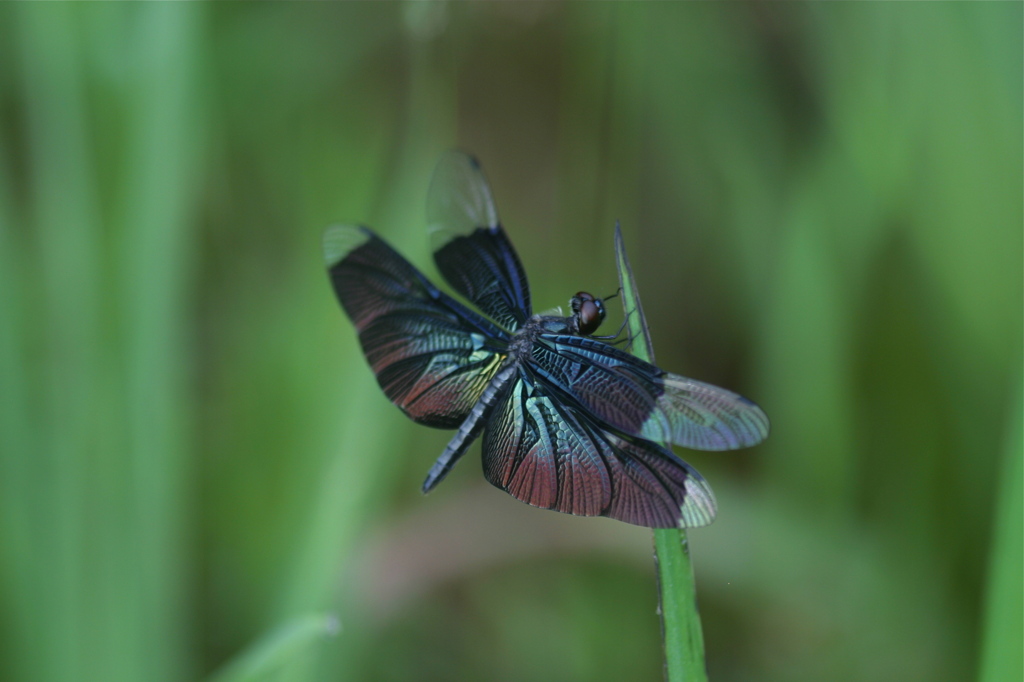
(587, 313)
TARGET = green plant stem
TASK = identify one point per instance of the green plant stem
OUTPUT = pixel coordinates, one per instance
(1001, 657)
(682, 635)
(276, 648)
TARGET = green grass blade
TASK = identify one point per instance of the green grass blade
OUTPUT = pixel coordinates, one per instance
(282, 644)
(66, 228)
(362, 468)
(680, 620)
(1001, 657)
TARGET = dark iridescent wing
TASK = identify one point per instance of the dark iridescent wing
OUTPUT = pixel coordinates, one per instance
(470, 247)
(548, 455)
(433, 357)
(639, 399)
(471, 428)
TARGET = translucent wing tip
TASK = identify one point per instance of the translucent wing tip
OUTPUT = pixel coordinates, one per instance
(459, 198)
(456, 158)
(751, 423)
(699, 508)
(763, 424)
(713, 418)
(341, 240)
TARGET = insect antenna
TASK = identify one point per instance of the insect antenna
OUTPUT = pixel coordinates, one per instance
(617, 292)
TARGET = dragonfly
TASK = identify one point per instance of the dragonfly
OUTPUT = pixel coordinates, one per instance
(568, 421)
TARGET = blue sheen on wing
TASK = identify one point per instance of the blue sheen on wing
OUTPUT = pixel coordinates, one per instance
(553, 457)
(432, 356)
(471, 249)
(639, 399)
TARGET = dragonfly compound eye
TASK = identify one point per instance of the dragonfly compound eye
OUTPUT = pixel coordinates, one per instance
(590, 315)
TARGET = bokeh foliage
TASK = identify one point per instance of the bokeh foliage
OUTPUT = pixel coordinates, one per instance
(823, 208)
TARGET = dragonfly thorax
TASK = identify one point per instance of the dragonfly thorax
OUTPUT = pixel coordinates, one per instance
(522, 341)
(587, 314)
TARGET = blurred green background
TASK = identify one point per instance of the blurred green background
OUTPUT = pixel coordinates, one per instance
(823, 206)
